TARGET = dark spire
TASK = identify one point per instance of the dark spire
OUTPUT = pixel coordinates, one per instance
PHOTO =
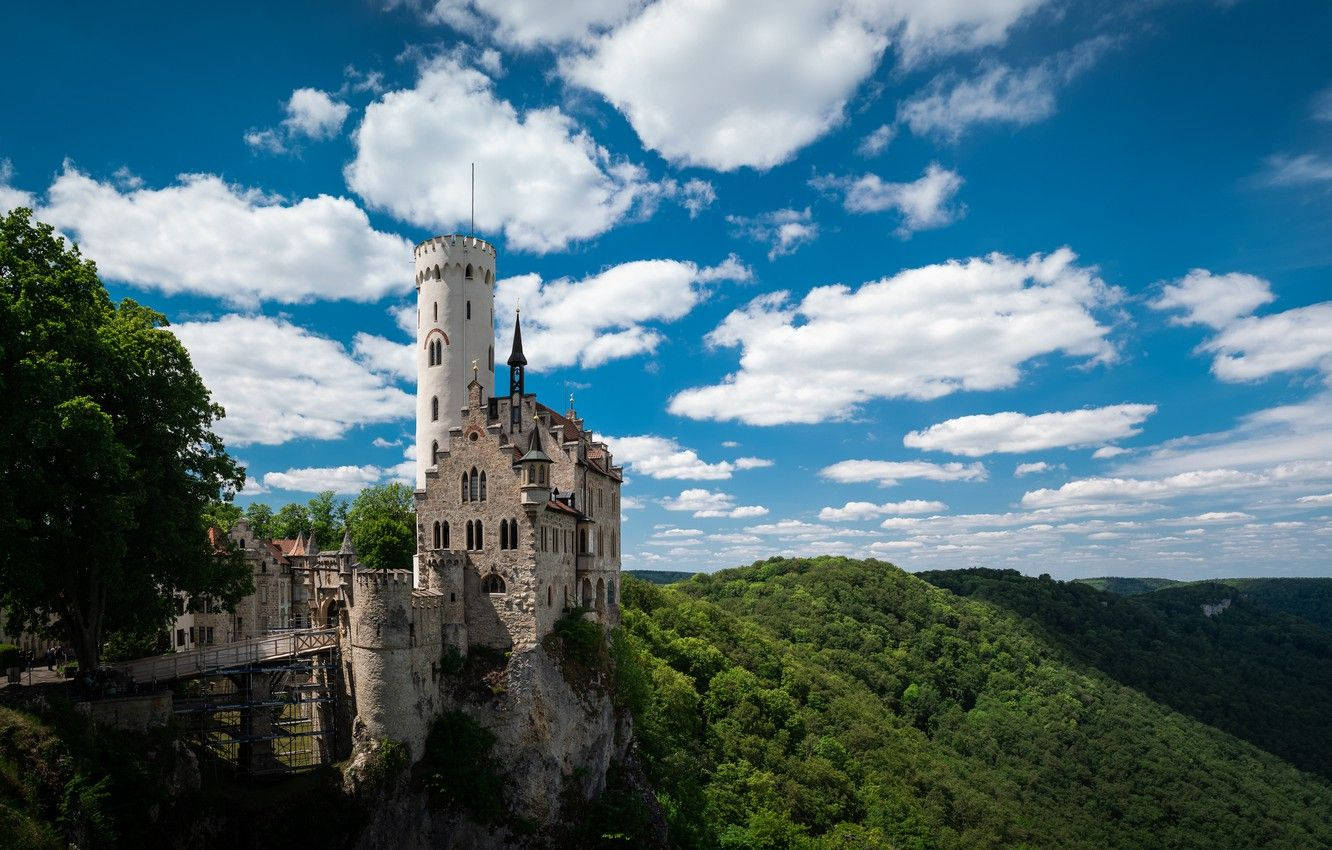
(516, 357)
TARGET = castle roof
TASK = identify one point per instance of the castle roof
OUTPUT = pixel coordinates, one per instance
(516, 357)
(347, 548)
(562, 508)
(534, 451)
(571, 430)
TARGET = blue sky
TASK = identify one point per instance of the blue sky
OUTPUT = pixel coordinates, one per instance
(1007, 283)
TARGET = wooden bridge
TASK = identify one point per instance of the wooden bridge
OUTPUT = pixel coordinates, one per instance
(241, 654)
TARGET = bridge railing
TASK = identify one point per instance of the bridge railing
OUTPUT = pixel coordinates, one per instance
(178, 665)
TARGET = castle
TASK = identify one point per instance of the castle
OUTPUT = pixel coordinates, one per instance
(517, 519)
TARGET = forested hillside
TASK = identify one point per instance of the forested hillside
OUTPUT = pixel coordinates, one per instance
(659, 576)
(834, 703)
(1127, 585)
(1259, 674)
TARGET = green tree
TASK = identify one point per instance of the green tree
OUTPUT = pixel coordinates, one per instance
(328, 519)
(260, 518)
(291, 520)
(222, 514)
(383, 522)
(103, 499)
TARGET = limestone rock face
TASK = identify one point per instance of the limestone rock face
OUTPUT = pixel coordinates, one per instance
(555, 743)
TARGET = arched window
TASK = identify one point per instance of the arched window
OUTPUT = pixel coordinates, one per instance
(468, 272)
(483, 485)
(464, 493)
(492, 584)
(474, 486)
(434, 409)
(438, 539)
(513, 534)
(438, 276)
(480, 538)
(610, 592)
(487, 277)
(445, 544)
(504, 534)
(471, 539)
(434, 452)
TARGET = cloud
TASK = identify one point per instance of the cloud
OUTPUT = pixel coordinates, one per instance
(1259, 346)
(540, 179)
(1108, 452)
(10, 197)
(1012, 432)
(1322, 105)
(1319, 500)
(877, 142)
(752, 462)
(712, 504)
(205, 237)
(1248, 347)
(694, 195)
(314, 114)
(888, 473)
(1302, 170)
(726, 85)
(386, 356)
(922, 333)
(339, 479)
(786, 230)
(951, 105)
(381, 443)
(1214, 300)
(1089, 490)
(602, 317)
(280, 382)
(528, 24)
(869, 510)
(311, 114)
(664, 458)
(923, 204)
(1031, 468)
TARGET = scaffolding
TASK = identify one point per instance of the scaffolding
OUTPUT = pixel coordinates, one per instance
(276, 716)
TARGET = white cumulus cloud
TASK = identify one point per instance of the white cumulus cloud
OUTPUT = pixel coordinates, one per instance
(1214, 300)
(203, 236)
(748, 83)
(663, 457)
(923, 204)
(540, 179)
(784, 230)
(280, 382)
(871, 510)
(339, 479)
(887, 473)
(922, 333)
(1013, 432)
(603, 317)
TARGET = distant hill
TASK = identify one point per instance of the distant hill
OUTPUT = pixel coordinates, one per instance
(659, 576)
(1256, 672)
(1127, 586)
(831, 703)
(1308, 598)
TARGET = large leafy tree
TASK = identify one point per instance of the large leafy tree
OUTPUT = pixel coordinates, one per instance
(383, 526)
(109, 462)
(328, 518)
(291, 520)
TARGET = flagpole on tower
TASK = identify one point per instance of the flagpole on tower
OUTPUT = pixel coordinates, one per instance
(474, 199)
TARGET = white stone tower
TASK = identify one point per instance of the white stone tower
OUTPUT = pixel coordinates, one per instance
(455, 326)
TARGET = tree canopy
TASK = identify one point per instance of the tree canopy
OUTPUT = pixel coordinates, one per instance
(112, 460)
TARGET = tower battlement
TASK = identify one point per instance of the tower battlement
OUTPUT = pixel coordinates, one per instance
(450, 241)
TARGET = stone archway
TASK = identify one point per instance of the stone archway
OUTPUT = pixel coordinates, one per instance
(586, 600)
(601, 596)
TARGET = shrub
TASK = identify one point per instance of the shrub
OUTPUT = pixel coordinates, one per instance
(10, 656)
(458, 769)
(388, 760)
(582, 641)
(70, 670)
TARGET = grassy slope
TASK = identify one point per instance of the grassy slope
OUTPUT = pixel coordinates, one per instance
(853, 702)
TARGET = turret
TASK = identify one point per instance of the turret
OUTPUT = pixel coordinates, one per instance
(517, 368)
(346, 557)
(534, 472)
(455, 277)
